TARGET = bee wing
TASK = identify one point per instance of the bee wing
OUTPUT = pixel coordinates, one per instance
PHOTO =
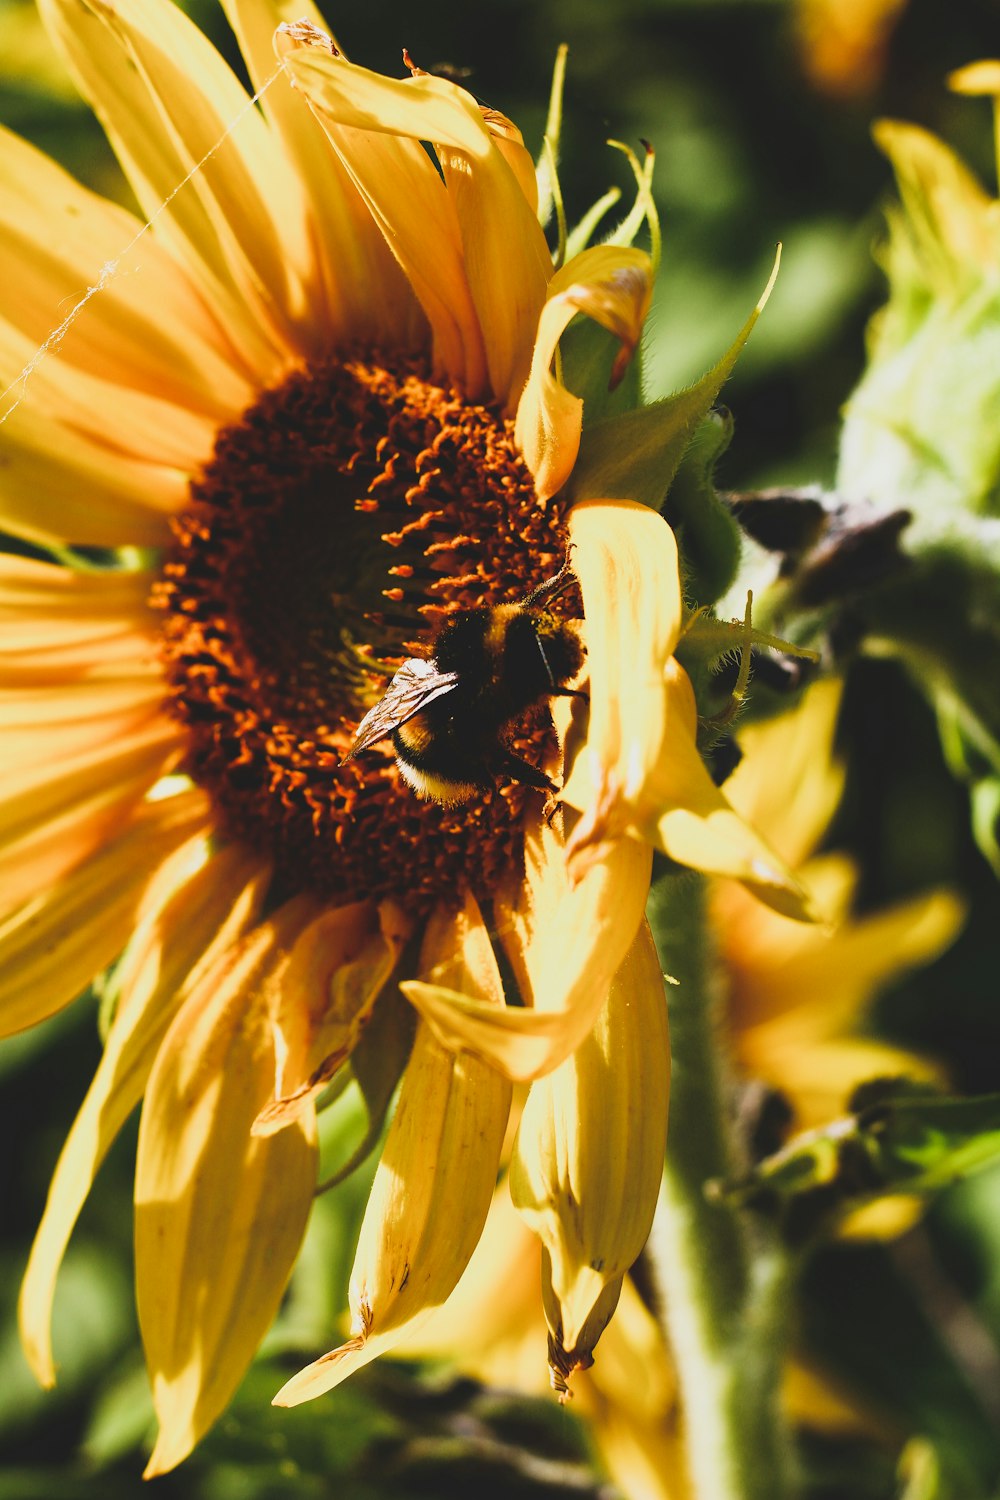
(416, 684)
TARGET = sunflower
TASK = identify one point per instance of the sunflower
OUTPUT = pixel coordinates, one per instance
(308, 411)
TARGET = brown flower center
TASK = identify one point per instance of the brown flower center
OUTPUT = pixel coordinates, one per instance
(349, 512)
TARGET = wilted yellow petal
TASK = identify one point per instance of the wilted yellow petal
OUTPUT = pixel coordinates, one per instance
(611, 284)
(194, 911)
(442, 1150)
(219, 1212)
(328, 989)
(588, 1158)
(565, 942)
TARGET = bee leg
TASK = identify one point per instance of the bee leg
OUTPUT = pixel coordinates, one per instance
(552, 587)
(569, 693)
(512, 766)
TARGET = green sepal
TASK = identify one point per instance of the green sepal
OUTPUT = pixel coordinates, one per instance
(635, 456)
(588, 353)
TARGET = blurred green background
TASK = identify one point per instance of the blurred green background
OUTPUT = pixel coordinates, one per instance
(762, 133)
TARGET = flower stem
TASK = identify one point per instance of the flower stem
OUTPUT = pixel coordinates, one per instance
(725, 1292)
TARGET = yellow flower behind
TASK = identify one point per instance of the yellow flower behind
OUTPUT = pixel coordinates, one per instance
(314, 409)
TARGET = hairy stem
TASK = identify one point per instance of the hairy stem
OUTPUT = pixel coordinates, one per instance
(725, 1292)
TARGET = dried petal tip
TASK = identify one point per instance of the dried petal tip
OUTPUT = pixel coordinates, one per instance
(308, 35)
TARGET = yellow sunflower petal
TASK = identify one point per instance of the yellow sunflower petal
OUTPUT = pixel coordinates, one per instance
(61, 775)
(334, 974)
(639, 774)
(364, 296)
(59, 627)
(565, 942)
(404, 194)
(112, 414)
(611, 284)
(195, 910)
(500, 257)
(166, 100)
(62, 486)
(219, 1212)
(36, 856)
(588, 1159)
(55, 944)
(147, 327)
(442, 1149)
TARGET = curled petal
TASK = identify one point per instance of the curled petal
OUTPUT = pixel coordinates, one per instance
(612, 285)
(565, 942)
(219, 1212)
(328, 990)
(503, 264)
(588, 1158)
(442, 1149)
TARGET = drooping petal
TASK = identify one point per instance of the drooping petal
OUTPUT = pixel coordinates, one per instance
(442, 1150)
(56, 943)
(588, 1158)
(612, 285)
(364, 296)
(219, 1212)
(564, 941)
(639, 774)
(328, 989)
(191, 917)
(147, 327)
(172, 109)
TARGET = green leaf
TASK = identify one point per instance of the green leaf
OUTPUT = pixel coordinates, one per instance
(588, 353)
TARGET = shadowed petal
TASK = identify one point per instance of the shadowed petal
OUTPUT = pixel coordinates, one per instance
(219, 1212)
(193, 913)
(56, 943)
(565, 942)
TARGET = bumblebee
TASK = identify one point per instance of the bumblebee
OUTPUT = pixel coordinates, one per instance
(450, 717)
